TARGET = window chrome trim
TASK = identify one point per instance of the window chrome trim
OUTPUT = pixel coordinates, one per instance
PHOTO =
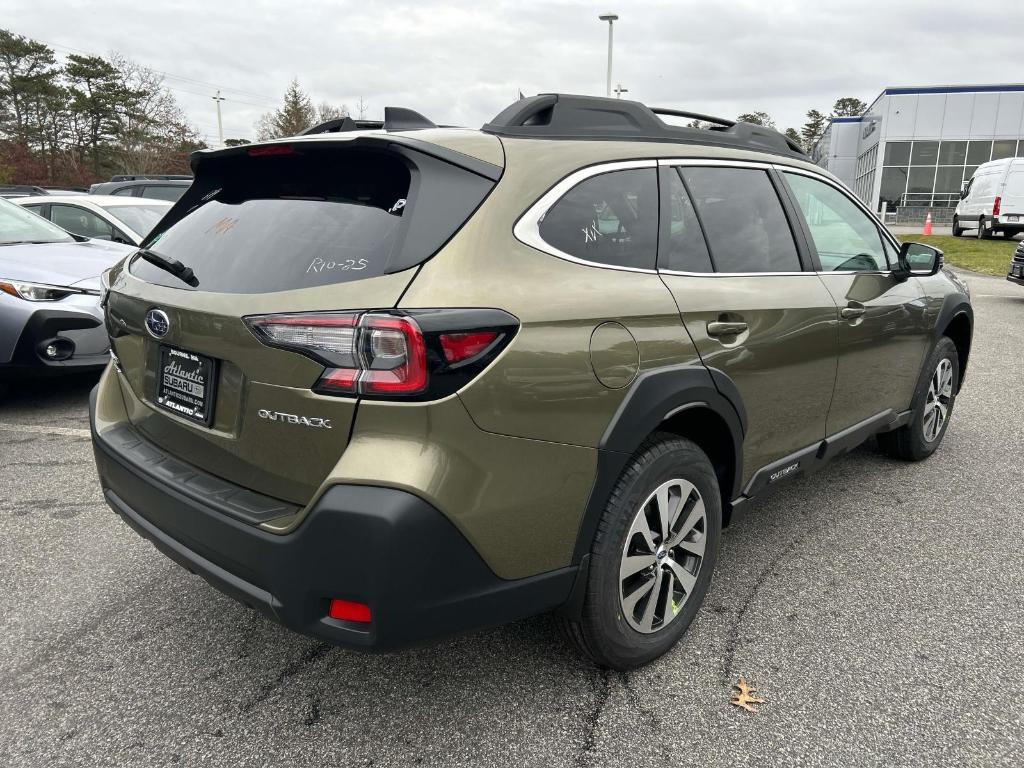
(527, 229)
(761, 165)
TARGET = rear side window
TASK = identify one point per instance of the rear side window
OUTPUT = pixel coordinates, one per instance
(746, 228)
(685, 249)
(328, 215)
(164, 192)
(611, 218)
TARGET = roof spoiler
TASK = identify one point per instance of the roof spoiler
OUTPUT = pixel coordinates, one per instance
(565, 116)
(395, 119)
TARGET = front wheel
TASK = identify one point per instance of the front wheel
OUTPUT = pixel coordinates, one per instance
(932, 406)
(958, 231)
(652, 556)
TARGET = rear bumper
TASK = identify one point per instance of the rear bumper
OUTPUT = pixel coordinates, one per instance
(380, 546)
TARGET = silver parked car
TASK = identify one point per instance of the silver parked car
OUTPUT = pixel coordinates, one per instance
(50, 316)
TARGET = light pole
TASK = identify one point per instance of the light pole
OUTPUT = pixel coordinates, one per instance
(619, 90)
(220, 126)
(611, 18)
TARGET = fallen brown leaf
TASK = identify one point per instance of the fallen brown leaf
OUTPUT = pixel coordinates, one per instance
(744, 699)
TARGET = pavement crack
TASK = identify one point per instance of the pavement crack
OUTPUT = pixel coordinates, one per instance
(602, 693)
(292, 668)
(313, 713)
(634, 698)
(762, 578)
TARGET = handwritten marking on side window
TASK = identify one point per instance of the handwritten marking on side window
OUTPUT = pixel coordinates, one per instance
(591, 232)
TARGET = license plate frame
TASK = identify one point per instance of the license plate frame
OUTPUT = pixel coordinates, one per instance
(186, 384)
(1013, 219)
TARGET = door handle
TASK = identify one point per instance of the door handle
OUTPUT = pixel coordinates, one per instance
(852, 311)
(720, 328)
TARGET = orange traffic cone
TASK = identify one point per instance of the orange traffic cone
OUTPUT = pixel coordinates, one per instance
(927, 224)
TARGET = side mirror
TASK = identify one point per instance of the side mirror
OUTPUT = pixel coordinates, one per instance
(918, 260)
(963, 189)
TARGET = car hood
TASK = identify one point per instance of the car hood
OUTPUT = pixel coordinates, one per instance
(78, 264)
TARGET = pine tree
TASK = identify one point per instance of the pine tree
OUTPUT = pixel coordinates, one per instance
(848, 107)
(295, 115)
(813, 128)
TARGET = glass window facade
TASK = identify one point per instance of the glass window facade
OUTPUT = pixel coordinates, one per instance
(931, 173)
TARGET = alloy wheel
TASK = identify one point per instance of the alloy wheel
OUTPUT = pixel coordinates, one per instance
(662, 556)
(936, 404)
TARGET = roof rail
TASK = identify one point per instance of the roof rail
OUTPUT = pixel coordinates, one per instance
(567, 116)
(395, 119)
(150, 177)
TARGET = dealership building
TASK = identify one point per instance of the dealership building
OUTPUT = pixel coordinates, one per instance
(913, 148)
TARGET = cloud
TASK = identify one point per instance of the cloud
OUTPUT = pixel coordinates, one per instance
(461, 62)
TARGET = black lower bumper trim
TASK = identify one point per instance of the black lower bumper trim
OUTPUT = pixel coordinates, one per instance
(381, 546)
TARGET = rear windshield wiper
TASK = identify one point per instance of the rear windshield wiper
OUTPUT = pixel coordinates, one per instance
(173, 266)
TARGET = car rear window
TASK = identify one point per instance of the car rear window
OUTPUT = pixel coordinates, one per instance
(318, 216)
(140, 218)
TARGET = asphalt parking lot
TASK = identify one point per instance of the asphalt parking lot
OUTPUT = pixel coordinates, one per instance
(877, 607)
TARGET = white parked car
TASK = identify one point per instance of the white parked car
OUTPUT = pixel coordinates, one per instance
(101, 217)
(993, 200)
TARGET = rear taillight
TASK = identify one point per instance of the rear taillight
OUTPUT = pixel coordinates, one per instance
(395, 356)
(995, 206)
(421, 355)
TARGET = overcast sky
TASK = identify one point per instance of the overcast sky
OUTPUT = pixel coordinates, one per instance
(461, 62)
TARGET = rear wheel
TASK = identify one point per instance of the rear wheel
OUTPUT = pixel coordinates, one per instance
(958, 231)
(983, 232)
(932, 407)
(652, 556)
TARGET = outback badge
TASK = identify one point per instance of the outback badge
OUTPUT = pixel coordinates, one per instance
(291, 418)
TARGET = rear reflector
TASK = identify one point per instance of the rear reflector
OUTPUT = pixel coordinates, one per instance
(346, 610)
(465, 346)
(996, 206)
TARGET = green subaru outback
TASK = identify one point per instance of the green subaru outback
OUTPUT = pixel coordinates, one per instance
(385, 384)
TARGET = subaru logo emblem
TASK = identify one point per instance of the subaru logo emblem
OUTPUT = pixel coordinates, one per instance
(157, 323)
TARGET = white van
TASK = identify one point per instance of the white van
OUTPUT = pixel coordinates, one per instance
(993, 200)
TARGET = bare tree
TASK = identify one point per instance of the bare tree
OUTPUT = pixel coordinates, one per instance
(326, 112)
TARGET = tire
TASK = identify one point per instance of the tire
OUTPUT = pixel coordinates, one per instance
(668, 469)
(957, 229)
(919, 439)
(983, 233)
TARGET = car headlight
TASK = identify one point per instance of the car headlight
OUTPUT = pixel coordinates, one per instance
(41, 291)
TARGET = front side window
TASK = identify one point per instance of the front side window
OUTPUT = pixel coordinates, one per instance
(685, 249)
(743, 220)
(846, 238)
(611, 218)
